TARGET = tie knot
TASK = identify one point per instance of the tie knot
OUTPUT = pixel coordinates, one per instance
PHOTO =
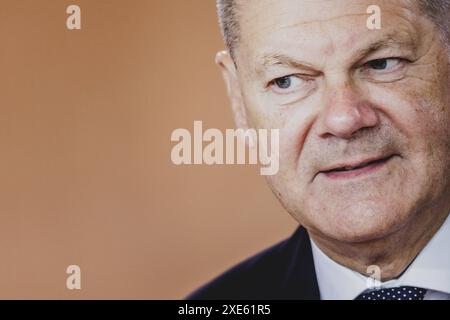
(397, 293)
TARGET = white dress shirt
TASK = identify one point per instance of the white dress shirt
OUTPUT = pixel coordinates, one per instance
(430, 270)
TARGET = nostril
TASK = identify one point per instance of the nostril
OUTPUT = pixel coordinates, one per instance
(345, 122)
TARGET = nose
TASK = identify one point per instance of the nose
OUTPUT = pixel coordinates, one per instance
(346, 112)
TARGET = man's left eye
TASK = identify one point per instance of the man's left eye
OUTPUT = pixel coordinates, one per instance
(383, 64)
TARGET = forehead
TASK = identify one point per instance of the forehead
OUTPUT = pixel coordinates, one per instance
(324, 25)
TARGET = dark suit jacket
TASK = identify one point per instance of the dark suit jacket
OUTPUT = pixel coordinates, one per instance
(283, 271)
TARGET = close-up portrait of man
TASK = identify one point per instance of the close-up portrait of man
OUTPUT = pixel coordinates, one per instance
(363, 111)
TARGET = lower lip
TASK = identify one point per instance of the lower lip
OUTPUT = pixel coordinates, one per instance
(357, 172)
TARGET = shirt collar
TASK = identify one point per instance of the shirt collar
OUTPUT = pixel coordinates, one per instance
(430, 270)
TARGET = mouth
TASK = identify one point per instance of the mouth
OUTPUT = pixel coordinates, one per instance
(346, 171)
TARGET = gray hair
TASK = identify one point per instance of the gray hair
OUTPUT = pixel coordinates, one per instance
(228, 10)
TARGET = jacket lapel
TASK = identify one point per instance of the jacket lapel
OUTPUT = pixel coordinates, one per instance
(300, 281)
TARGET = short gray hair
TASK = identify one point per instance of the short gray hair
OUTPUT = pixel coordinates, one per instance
(228, 21)
(437, 10)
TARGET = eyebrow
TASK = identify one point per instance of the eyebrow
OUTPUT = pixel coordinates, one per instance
(280, 59)
(390, 40)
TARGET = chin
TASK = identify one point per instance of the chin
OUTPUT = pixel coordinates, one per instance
(361, 222)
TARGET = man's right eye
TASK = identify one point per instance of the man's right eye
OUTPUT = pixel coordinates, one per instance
(284, 82)
(287, 84)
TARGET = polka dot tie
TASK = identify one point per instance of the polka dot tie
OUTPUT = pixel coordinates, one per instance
(398, 293)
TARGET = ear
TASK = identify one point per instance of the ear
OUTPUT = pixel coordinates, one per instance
(229, 73)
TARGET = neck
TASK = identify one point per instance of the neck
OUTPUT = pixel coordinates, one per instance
(392, 254)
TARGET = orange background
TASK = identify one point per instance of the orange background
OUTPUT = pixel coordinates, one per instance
(85, 170)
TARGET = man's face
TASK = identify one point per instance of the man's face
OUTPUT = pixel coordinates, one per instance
(364, 115)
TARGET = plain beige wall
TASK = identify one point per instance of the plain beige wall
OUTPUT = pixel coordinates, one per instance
(85, 170)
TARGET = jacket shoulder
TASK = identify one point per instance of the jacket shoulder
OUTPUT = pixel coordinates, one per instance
(262, 276)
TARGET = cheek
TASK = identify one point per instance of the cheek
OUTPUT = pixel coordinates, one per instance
(294, 122)
(426, 115)
(292, 183)
(421, 112)
(418, 109)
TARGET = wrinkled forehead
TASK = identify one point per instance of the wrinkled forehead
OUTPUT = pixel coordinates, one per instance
(321, 25)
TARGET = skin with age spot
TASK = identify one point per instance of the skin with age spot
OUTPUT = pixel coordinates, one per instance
(343, 97)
